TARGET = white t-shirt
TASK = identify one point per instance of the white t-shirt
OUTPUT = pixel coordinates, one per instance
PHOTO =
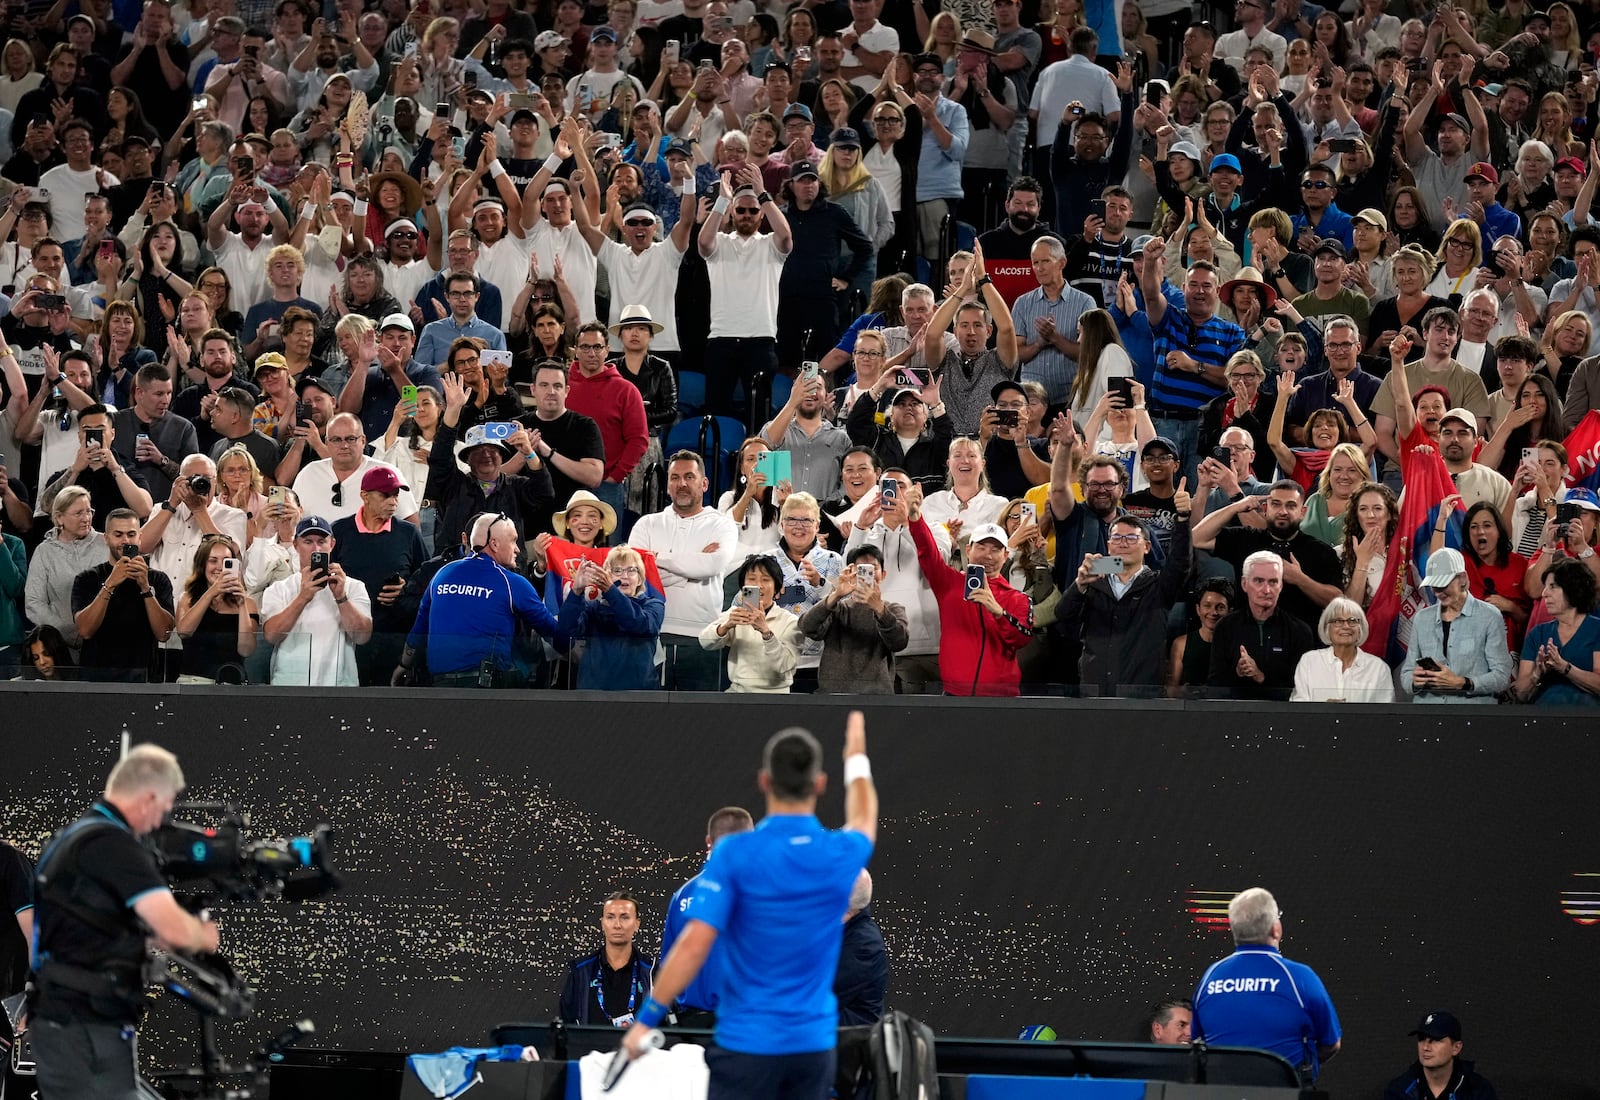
(246, 268)
(316, 652)
(67, 187)
(174, 556)
(314, 486)
(877, 39)
(600, 85)
(692, 577)
(59, 448)
(578, 264)
(886, 170)
(505, 264)
(648, 278)
(404, 282)
(744, 275)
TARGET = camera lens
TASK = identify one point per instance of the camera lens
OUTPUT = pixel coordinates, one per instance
(200, 484)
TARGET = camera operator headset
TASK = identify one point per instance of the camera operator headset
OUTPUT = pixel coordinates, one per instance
(98, 895)
(467, 625)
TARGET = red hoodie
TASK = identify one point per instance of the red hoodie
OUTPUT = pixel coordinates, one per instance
(613, 403)
(973, 644)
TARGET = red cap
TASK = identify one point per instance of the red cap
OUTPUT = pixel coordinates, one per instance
(381, 479)
(1574, 163)
(1484, 169)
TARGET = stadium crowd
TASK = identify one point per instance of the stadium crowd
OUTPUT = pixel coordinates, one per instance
(981, 347)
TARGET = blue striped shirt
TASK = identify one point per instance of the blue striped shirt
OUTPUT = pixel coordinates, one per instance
(1209, 343)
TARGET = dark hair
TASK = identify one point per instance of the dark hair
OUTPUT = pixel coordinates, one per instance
(54, 643)
(297, 315)
(92, 410)
(1085, 42)
(686, 455)
(868, 451)
(1222, 586)
(1583, 233)
(792, 761)
(1517, 347)
(1161, 1013)
(176, 263)
(622, 895)
(121, 513)
(1528, 435)
(1502, 550)
(457, 276)
(1127, 519)
(1095, 118)
(1575, 581)
(1441, 313)
(865, 550)
(149, 375)
(1025, 183)
(1287, 485)
(767, 564)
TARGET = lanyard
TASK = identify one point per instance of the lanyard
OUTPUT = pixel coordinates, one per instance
(599, 986)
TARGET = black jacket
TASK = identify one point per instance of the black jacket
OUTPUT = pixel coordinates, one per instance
(862, 980)
(815, 259)
(926, 458)
(518, 496)
(1125, 641)
(1275, 645)
(657, 387)
(1465, 1084)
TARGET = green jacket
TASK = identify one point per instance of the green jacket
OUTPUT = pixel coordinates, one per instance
(13, 580)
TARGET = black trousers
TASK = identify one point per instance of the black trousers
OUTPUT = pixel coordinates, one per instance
(731, 360)
(84, 1060)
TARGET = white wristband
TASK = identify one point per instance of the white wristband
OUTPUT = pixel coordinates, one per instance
(721, 205)
(552, 162)
(857, 767)
(496, 169)
(359, 208)
(308, 210)
(688, 187)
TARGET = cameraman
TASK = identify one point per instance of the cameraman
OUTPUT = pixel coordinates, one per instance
(99, 891)
(122, 609)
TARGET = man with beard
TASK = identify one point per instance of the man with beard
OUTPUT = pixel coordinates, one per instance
(971, 371)
(1082, 529)
(1528, 54)
(644, 271)
(1104, 251)
(1437, 368)
(548, 223)
(461, 254)
(814, 444)
(1009, 245)
(195, 403)
(695, 547)
(318, 63)
(1458, 440)
(1311, 570)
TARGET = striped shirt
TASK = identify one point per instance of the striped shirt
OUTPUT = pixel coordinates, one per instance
(1208, 343)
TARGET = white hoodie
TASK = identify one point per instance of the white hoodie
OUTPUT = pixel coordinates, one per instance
(903, 582)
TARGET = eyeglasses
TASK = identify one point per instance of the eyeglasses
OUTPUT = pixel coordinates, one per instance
(338, 494)
(1344, 622)
(625, 571)
(1123, 536)
(461, 294)
(343, 440)
(869, 355)
(1244, 376)
(890, 120)
(212, 285)
(1158, 458)
(1339, 345)
(1457, 242)
(799, 521)
(1315, 185)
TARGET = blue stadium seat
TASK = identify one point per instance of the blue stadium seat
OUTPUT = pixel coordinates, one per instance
(691, 393)
(782, 385)
(716, 439)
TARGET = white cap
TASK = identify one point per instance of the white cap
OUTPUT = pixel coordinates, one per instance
(1444, 566)
(989, 531)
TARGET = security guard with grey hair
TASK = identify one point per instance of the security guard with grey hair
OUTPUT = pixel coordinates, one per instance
(470, 625)
(99, 896)
(1257, 998)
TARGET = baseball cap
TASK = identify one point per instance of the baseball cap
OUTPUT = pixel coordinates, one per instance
(603, 34)
(307, 381)
(1330, 245)
(1438, 1025)
(548, 39)
(797, 110)
(1161, 442)
(1464, 415)
(1583, 498)
(1573, 163)
(906, 392)
(679, 148)
(1002, 386)
(271, 360)
(1457, 120)
(846, 136)
(989, 531)
(1184, 148)
(1485, 171)
(1444, 566)
(803, 170)
(1226, 160)
(1373, 217)
(1536, 17)
(1143, 239)
(381, 479)
(312, 525)
(522, 114)
(397, 320)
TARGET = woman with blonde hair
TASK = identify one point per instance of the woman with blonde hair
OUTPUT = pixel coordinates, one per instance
(18, 75)
(1410, 268)
(69, 548)
(1457, 261)
(944, 39)
(438, 68)
(847, 183)
(1565, 46)
(216, 616)
(965, 502)
(1555, 126)
(1344, 474)
(617, 617)
(809, 570)
(240, 484)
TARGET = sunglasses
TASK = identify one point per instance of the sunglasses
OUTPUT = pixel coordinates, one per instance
(640, 223)
(1315, 185)
(403, 233)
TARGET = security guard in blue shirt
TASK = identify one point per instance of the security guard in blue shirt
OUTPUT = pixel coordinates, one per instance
(786, 883)
(471, 615)
(697, 1006)
(1257, 998)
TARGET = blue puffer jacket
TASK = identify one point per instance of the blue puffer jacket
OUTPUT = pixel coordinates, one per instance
(619, 633)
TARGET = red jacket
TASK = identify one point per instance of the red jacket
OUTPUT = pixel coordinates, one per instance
(613, 403)
(977, 651)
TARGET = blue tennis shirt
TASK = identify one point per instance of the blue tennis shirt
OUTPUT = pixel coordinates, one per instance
(777, 898)
(1257, 998)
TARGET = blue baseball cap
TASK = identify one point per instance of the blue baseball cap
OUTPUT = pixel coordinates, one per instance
(1583, 498)
(312, 525)
(1226, 160)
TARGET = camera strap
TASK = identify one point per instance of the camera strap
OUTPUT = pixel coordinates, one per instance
(65, 843)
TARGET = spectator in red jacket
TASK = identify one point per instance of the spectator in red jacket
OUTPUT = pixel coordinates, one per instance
(598, 391)
(981, 630)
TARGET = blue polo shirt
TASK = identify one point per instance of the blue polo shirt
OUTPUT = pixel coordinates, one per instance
(777, 897)
(1335, 223)
(1257, 998)
(1499, 222)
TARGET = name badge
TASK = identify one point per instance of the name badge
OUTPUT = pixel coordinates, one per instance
(622, 1021)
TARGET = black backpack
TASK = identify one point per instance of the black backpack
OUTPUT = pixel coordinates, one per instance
(891, 1060)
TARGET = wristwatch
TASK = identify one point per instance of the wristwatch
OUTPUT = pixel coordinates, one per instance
(1466, 688)
(166, 506)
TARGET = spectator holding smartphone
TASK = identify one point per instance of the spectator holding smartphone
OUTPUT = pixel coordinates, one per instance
(216, 617)
(762, 639)
(316, 617)
(859, 630)
(983, 622)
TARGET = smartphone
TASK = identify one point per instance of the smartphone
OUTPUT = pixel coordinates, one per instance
(200, 103)
(1123, 388)
(1029, 514)
(750, 596)
(441, 110)
(1106, 566)
(231, 565)
(1342, 145)
(1566, 513)
(243, 166)
(408, 394)
(302, 413)
(1223, 455)
(707, 65)
(52, 301)
(889, 489)
(722, 23)
(1008, 418)
(977, 576)
(108, 249)
(520, 101)
(1097, 209)
(867, 571)
(94, 437)
(1530, 456)
(252, 52)
(1154, 91)
(319, 562)
(810, 370)
(392, 579)
(277, 496)
(672, 48)
(141, 438)
(802, 54)
(1491, 260)
(469, 78)
(1428, 663)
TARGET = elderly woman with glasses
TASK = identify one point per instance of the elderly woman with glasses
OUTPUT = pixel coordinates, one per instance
(1343, 672)
(809, 570)
(617, 617)
(1458, 648)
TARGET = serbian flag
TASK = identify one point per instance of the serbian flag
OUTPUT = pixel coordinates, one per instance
(1583, 453)
(1401, 595)
(561, 563)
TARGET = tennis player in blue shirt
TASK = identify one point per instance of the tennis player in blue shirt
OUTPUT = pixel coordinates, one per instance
(771, 901)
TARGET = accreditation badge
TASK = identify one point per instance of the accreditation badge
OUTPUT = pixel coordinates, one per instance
(622, 1021)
